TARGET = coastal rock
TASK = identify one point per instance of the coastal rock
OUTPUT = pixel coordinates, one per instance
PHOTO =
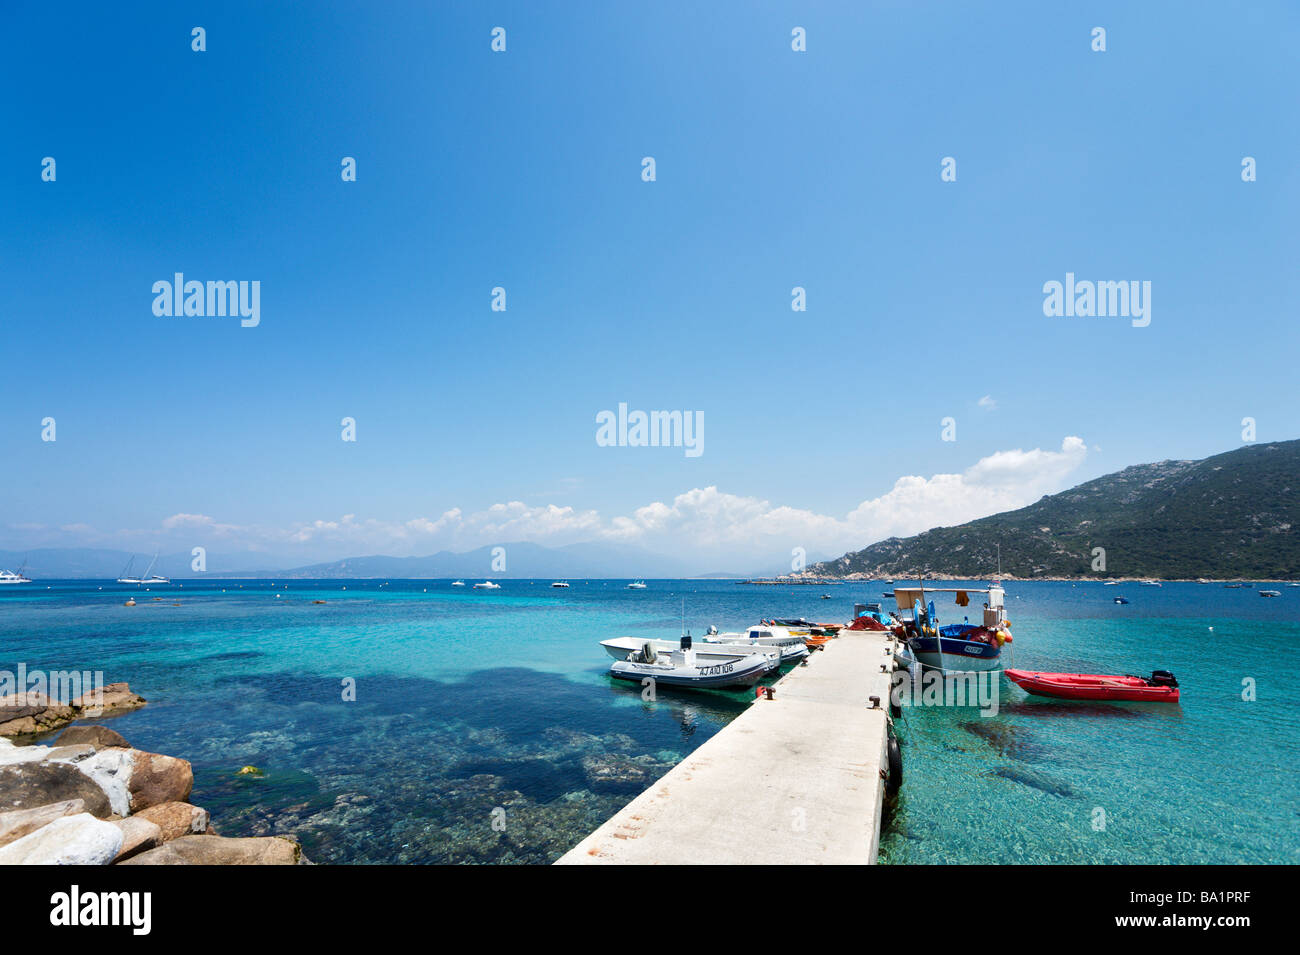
(11, 755)
(220, 850)
(100, 737)
(156, 779)
(30, 784)
(110, 769)
(114, 698)
(23, 713)
(176, 819)
(19, 822)
(138, 835)
(69, 840)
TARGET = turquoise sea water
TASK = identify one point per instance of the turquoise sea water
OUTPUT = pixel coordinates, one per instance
(469, 702)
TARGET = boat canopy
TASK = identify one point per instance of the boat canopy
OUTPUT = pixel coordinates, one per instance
(909, 596)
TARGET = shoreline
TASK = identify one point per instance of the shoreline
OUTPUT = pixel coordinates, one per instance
(88, 797)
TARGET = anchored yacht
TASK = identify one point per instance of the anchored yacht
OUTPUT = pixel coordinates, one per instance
(9, 577)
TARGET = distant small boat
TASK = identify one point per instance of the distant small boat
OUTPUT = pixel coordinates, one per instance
(1270, 593)
(636, 585)
(147, 578)
(560, 583)
(826, 596)
(1150, 583)
(487, 585)
(1293, 585)
(1111, 583)
(682, 668)
(1161, 687)
(9, 577)
(458, 583)
(1232, 586)
(1121, 600)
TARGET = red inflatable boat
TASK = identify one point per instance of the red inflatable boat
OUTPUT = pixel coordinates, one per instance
(1160, 688)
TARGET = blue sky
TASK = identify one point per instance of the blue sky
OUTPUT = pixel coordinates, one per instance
(522, 169)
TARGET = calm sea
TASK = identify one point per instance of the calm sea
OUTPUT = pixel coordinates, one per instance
(474, 708)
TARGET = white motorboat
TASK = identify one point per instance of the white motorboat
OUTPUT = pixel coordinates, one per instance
(684, 667)
(458, 583)
(560, 583)
(793, 647)
(9, 577)
(487, 585)
(764, 635)
(620, 647)
(636, 585)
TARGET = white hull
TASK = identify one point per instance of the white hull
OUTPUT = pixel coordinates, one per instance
(685, 669)
(620, 647)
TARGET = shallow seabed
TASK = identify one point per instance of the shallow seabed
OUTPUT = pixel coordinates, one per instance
(484, 728)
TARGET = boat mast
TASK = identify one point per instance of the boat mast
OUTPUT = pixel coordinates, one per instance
(938, 638)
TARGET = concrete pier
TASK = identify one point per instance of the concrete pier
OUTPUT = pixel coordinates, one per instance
(794, 780)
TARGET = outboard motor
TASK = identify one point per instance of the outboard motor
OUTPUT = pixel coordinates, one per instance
(1162, 678)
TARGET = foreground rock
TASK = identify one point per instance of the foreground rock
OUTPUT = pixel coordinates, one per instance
(91, 799)
(69, 840)
(157, 779)
(219, 850)
(31, 785)
(176, 819)
(17, 823)
(24, 714)
(138, 835)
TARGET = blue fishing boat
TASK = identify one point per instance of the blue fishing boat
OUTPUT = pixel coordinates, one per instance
(957, 647)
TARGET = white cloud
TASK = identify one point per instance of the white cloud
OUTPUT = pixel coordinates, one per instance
(988, 402)
(707, 524)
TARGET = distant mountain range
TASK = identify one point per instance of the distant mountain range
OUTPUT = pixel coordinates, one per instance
(1234, 515)
(522, 560)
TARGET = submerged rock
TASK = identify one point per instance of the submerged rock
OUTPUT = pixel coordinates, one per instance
(613, 773)
(100, 737)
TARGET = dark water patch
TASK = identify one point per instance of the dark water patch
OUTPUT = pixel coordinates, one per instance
(1008, 740)
(233, 655)
(1047, 709)
(1032, 779)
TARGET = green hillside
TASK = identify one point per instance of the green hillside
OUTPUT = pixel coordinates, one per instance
(1234, 515)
